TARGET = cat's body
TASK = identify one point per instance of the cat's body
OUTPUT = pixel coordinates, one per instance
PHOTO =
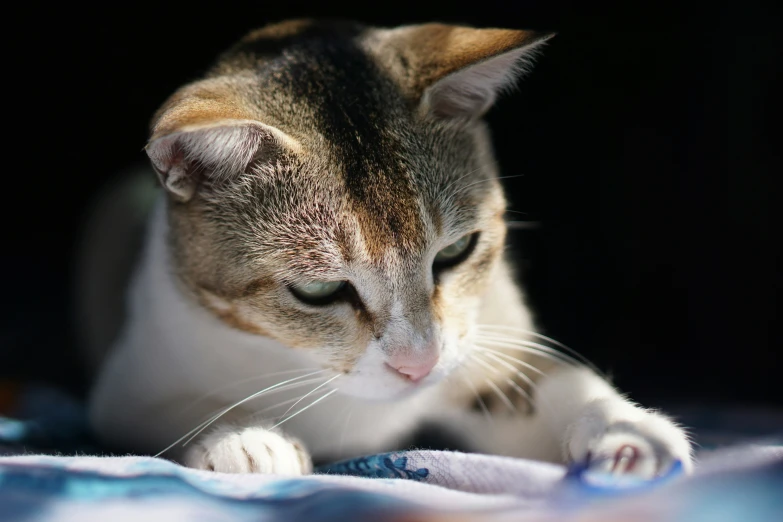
(333, 206)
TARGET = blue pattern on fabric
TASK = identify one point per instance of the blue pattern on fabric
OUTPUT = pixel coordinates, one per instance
(384, 465)
(388, 486)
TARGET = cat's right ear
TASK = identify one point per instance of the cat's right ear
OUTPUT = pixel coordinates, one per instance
(457, 72)
(198, 137)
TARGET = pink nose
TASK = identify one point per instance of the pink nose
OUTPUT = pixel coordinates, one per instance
(413, 369)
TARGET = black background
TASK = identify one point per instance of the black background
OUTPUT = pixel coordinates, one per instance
(645, 140)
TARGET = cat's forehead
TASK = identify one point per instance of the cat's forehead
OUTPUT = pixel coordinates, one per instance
(304, 217)
(350, 114)
(370, 179)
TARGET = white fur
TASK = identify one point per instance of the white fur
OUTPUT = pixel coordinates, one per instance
(172, 353)
(236, 449)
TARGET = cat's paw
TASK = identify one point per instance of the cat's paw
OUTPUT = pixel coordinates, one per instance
(617, 437)
(231, 449)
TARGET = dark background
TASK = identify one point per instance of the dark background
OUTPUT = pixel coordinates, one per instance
(645, 139)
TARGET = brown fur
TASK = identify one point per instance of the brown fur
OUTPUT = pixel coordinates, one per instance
(368, 186)
(437, 50)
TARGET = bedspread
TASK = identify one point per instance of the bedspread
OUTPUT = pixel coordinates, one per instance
(739, 481)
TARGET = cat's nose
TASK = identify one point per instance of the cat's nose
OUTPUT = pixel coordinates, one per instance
(414, 369)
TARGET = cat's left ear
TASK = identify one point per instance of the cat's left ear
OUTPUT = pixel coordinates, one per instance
(457, 72)
(204, 134)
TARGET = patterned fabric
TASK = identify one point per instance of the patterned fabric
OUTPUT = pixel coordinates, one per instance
(731, 483)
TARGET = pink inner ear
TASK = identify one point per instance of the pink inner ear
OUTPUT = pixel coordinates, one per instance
(183, 158)
(471, 91)
(448, 102)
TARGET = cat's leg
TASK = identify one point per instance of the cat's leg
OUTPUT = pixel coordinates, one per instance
(232, 448)
(579, 417)
(602, 428)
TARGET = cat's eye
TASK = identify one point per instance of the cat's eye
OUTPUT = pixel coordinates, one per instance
(456, 252)
(318, 292)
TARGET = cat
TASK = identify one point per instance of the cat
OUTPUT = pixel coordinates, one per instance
(324, 272)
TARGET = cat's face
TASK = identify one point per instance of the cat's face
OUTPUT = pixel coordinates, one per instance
(325, 199)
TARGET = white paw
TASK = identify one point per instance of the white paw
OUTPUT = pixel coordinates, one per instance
(231, 449)
(618, 437)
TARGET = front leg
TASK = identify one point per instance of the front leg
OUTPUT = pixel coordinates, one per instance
(248, 449)
(598, 426)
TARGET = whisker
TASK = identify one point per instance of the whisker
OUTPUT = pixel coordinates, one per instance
(509, 381)
(278, 405)
(234, 384)
(485, 364)
(336, 417)
(216, 417)
(311, 392)
(481, 402)
(345, 427)
(447, 187)
(305, 408)
(492, 330)
(502, 396)
(512, 358)
(491, 179)
(522, 225)
(201, 427)
(495, 355)
(555, 342)
(521, 391)
(527, 346)
(288, 387)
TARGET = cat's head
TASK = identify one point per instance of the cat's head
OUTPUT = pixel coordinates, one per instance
(332, 186)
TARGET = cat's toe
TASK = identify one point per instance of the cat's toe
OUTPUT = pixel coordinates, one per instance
(627, 454)
(640, 443)
(248, 450)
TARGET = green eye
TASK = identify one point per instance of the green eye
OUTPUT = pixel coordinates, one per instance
(455, 250)
(317, 292)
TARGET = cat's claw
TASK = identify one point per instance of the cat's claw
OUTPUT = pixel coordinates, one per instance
(248, 450)
(646, 446)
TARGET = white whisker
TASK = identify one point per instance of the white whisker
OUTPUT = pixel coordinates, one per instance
(253, 396)
(523, 346)
(234, 384)
(496, 356)
(345, 426)
(201, 427)
(485, 364)
(288, 387)
(490, 179)
(522, 225)
(502, 396)
(305, 408)
(447, 187)
(482, 405)
(521, 391)
(584, 360)
(278, 405)
(310, 393)
(511, 358)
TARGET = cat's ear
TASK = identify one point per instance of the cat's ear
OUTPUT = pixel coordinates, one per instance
(458, 72)
(198, 137)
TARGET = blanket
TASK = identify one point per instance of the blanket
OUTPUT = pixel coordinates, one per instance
(51, 471)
